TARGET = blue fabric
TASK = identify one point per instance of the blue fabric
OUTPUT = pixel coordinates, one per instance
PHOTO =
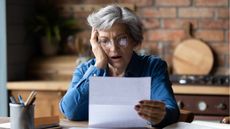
(74, 104)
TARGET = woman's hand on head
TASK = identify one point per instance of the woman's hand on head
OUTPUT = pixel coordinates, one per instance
(150, 110)
(101, 57)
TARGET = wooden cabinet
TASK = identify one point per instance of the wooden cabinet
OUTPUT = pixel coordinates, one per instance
(205, 107)
(206, 102)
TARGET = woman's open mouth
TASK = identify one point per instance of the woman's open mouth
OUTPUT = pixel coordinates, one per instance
(116, 58)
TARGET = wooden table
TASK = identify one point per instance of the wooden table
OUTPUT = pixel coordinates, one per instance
(67, 123)
(4, 120)
(64, 123)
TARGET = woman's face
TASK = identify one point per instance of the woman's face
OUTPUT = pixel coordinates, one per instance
(117, 45)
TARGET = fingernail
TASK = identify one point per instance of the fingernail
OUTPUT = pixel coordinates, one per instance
(141, 102)
(137, 107)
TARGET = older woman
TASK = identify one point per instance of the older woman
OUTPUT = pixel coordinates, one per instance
(116, 31)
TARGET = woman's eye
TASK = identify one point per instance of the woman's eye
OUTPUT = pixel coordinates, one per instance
(123, 41)
(103, 41)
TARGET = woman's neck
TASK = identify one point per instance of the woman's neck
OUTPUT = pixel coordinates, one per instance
(116, 72)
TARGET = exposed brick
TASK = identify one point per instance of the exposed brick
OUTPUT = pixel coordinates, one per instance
(196, 13)
(214, 24)
(69, 1)
(138, 3)
(227, 59)
(81, 15)
(159, 12)
(168, 59)
(214, 3)
(220, 48)
(145, 35)
(173, 2)
(97, 1)
(222, 71)
(228, 38)
(178, 23)
(150, 23)
(164, 48)
(149, 47)
(223, 13)
(209, 18)
(210, 35)
(166, 35)
(220, 60)
(70, 9)
(104, 2)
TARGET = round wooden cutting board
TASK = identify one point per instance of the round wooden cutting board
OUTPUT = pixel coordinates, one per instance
(192, 56)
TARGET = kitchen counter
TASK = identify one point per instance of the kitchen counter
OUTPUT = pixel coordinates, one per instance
(206, 102)
(38, 85)
(63, 86)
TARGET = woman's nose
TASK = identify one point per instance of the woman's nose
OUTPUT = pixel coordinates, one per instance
(114, 46)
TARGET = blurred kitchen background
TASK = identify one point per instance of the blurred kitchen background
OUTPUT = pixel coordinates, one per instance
(45, 40)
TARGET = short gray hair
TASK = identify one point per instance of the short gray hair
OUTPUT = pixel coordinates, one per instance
(111, 14)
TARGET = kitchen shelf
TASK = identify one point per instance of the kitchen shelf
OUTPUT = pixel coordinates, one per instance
(201, 89)
(38, 85)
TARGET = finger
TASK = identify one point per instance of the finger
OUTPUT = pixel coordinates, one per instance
(156, 102)
(155, 108)
(149, 113)
(226, 120)
(152, 103)
(152, 113)
(137, 107)
(152, 119)
(94, 36)
(93, 32)
(151, 109)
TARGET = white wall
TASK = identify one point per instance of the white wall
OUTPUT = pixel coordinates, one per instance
(3, 91)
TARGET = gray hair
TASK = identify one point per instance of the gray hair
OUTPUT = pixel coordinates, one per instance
(111, 14)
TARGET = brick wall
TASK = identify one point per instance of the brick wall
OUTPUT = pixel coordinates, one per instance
(164, 25)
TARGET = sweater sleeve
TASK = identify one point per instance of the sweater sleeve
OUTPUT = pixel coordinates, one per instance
(161, 90)
(74, 104)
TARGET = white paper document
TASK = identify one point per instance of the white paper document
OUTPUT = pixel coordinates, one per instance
(112, 101)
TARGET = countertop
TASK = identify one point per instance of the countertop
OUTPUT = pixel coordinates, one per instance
(63, 86)
(64, 123)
